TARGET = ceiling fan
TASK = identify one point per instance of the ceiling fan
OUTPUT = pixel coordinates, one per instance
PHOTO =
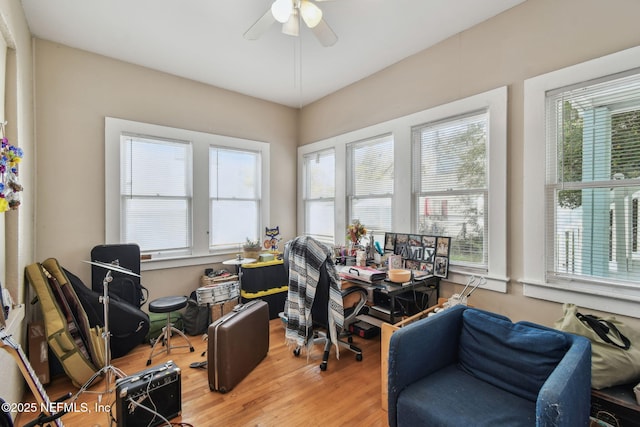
(289, 13)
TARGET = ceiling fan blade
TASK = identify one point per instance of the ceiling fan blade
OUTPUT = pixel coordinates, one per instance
(260, 26)
(324, 34)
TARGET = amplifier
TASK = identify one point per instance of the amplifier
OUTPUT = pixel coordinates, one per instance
(142, 399)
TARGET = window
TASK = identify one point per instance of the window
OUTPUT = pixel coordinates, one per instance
(185, 197)
(583, 183)
(319, 194)
(370, 183)
(463, 189)
(450, 185)
(593, 175)
(234, 196)
(155, 192)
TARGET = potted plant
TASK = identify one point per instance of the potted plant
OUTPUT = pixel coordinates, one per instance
(251, 249)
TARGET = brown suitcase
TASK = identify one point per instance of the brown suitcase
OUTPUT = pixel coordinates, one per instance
(237, 343)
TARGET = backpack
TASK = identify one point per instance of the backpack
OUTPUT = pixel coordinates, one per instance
(128, 291)
(195, 318)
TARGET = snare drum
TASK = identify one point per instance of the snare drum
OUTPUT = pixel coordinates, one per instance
(205, 295)
(217, 293)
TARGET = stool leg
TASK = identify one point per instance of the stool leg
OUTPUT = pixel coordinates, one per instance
(165, 338)
(179, 332)
(161, 339)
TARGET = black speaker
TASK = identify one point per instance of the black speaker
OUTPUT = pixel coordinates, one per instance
(142, 396)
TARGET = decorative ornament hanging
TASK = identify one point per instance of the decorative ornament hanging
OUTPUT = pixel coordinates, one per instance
(10, 188)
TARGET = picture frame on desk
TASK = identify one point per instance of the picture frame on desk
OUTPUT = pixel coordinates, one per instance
(441, 267)
(389, 242)
(418, 252)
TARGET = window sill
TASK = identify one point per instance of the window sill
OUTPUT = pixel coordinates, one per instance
(623, 301)
(184, 261)
(496, 284)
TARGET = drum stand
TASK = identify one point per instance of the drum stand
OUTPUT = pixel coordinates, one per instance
(107, 370)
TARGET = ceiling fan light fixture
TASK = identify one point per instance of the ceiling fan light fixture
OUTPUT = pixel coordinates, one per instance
(311, 14)
(282, 10)
(292, 26)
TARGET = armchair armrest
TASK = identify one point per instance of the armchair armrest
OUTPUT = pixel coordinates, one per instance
(564, 399)
(421, 348)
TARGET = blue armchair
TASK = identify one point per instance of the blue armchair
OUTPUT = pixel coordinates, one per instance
(468, 367)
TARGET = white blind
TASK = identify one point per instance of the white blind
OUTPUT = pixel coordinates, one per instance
(370, 184)
(319, 174)
(234, 194)
(450, 184)
(155, 188)
(593, 179)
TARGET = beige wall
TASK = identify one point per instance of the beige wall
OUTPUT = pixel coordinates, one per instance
(75, 90)
(533, 38)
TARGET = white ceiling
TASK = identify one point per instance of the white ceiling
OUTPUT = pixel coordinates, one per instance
(203, 40)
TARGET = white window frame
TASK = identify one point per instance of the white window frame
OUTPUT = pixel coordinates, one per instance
(306, 199)
(201, 142)
(593, 294)
(418, 192)
(350, 182)
(402, 211)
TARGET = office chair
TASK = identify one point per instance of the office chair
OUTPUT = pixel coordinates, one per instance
(319, 332)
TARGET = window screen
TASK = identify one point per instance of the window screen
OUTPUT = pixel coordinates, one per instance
(593, 179)
(319, 195)
(155, 187)
(450, 184)
(234, 190)
(370, 184)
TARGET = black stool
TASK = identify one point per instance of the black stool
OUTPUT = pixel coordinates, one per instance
(167, 305)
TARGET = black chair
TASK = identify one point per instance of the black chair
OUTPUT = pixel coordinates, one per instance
(320, 309)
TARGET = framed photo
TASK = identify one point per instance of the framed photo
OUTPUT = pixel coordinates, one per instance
(442, 246)
(441, 267)
(389, 242)
(395, 261)
(429, 241)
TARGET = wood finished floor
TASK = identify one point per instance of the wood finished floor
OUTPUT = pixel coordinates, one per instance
(283, 390)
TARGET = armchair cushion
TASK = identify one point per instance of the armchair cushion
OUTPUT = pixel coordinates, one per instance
(494, 350)
(454, 397)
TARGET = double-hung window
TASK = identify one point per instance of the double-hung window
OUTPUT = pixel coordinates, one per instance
(234, 187)
(450, 188)
(593, 180)
(184, 197)
(156, 194)
(318, 194)
(370, 183)
(583, 183)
